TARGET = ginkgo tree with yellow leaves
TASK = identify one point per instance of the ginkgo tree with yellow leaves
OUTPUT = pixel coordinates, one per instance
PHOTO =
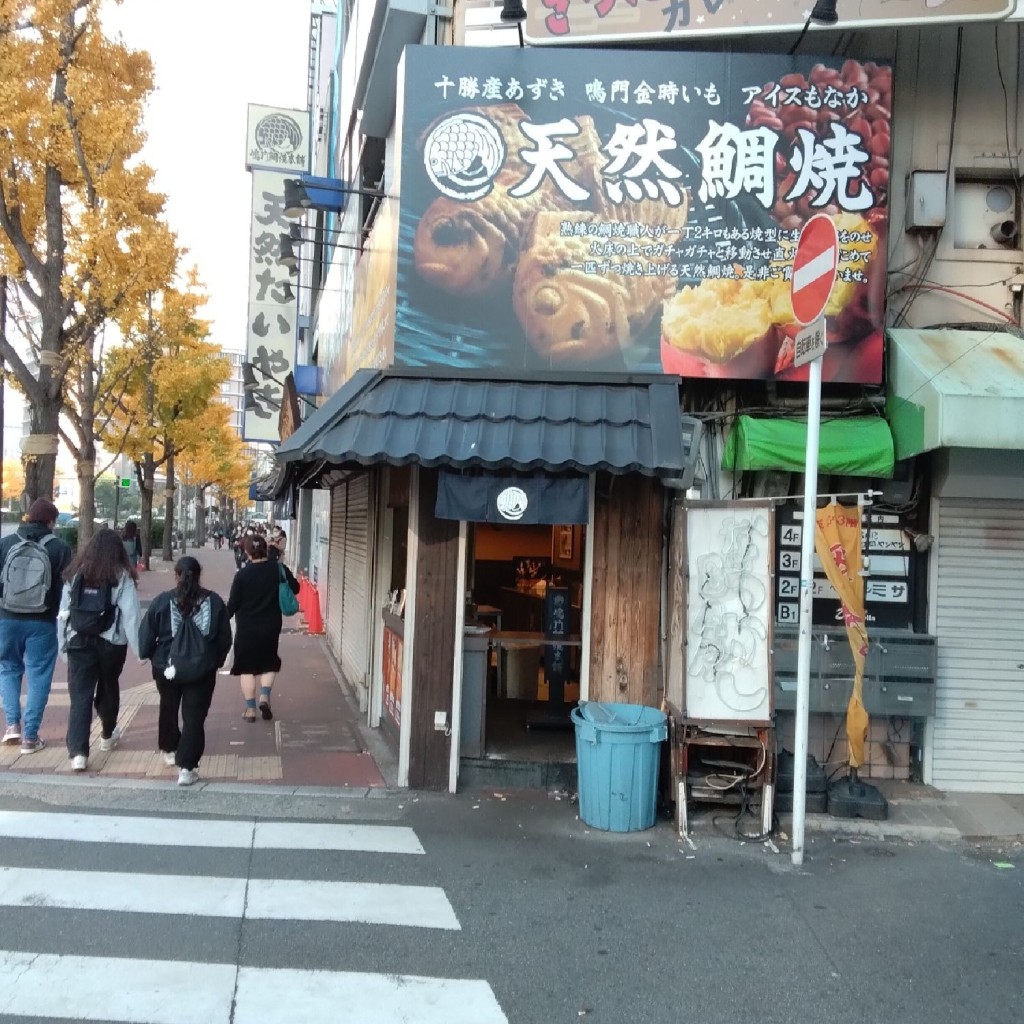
(168, 377)
(82, 241)
(213, 456)
(13, 481)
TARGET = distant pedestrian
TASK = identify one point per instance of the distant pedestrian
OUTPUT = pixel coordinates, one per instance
(254, 603)
(33, 561)
(99, 620)
(132, 542)
(187, 634)
(277, 543)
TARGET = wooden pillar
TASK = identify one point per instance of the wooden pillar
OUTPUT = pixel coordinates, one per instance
(626, 604)
(435, 577)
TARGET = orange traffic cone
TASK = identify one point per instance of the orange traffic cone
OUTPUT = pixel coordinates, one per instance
(314, 620)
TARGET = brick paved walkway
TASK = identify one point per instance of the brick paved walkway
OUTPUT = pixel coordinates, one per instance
(315, 739)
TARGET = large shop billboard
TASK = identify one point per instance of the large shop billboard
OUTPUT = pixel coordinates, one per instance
(637, 211)
(581, 21)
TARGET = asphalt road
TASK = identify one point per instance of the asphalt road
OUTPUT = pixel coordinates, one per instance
(556, 922)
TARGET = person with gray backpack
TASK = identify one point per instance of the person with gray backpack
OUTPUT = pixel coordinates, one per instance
(32, 564)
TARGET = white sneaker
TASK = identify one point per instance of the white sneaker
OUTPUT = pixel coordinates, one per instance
(13, 734)
(168, 758)
(188, 776)
(78, 763)
(112, 741)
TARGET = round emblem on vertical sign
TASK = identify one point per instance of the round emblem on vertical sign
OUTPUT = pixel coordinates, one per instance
(814, 268)
(278, 131)
(512, 503)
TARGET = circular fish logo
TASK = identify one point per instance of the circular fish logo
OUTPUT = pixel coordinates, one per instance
(463, 154)
(278, 132)
(512, 503)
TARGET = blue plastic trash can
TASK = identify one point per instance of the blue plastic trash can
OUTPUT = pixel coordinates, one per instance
(618, 747)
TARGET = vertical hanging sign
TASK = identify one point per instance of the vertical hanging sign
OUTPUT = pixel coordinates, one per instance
(277, 147)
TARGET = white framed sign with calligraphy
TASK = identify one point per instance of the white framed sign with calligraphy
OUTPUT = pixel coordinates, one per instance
(727, 624)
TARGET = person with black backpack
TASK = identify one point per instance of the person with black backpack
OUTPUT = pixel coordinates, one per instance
(32, 563)
(99, 621)
(187, 634)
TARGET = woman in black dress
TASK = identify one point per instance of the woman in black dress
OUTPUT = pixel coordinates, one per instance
(255, 606)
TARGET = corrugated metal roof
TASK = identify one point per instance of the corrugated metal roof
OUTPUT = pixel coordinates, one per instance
(398, 417)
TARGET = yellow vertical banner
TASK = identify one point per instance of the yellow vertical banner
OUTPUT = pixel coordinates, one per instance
(838, 545)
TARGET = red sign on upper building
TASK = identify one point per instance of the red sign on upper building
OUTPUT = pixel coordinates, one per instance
(582, 21)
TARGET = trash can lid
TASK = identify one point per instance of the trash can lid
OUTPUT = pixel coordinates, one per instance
(620, 716)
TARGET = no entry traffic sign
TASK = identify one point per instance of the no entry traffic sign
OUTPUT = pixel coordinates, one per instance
(814, 268)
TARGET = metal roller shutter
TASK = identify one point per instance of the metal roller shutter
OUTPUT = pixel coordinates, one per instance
(978, 736)
(336, 569)
(355, 641)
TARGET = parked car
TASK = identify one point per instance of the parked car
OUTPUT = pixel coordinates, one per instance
(73, 523)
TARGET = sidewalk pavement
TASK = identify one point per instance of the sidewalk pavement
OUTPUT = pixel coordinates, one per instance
(922, 813)
(316, 738)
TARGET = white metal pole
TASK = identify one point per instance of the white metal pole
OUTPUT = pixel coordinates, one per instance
(803, 664)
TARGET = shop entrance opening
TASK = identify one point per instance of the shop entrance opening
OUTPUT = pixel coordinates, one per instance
(521, 669)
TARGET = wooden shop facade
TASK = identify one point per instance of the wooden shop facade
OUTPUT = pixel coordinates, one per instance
(514, 553)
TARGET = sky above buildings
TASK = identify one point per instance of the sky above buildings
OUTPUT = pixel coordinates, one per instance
(211, 59)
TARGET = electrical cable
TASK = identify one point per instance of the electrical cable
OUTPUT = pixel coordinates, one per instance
(1006, 114)
(916, 288)
(800, 38)
(923, 286)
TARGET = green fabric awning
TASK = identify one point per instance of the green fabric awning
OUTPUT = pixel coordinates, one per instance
(854, 446)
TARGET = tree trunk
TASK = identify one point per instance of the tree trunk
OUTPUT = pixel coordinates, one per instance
(86, 430)
(169, 508)
(86, 495)
(200, 515)
(145, 474)
(39, 469)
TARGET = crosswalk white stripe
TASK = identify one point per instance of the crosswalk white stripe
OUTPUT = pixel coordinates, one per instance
(122, 893)
(284, 835)
(95, 988)
(177, 992)
(219, 833)
(411, 906)
(348, 997)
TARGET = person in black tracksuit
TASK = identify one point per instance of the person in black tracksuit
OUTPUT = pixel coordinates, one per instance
(184, 745)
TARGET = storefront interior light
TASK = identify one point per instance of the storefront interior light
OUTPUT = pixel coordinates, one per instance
(514, 13)
(289, 249)
(286, 255)
(513, 10)
(824, 12)
(313, 193)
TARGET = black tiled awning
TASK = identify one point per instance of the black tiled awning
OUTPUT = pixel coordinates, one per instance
(398, 417)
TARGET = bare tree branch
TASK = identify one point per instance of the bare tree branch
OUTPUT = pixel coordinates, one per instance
(33, 390)
(10, 222)
(76, 452)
